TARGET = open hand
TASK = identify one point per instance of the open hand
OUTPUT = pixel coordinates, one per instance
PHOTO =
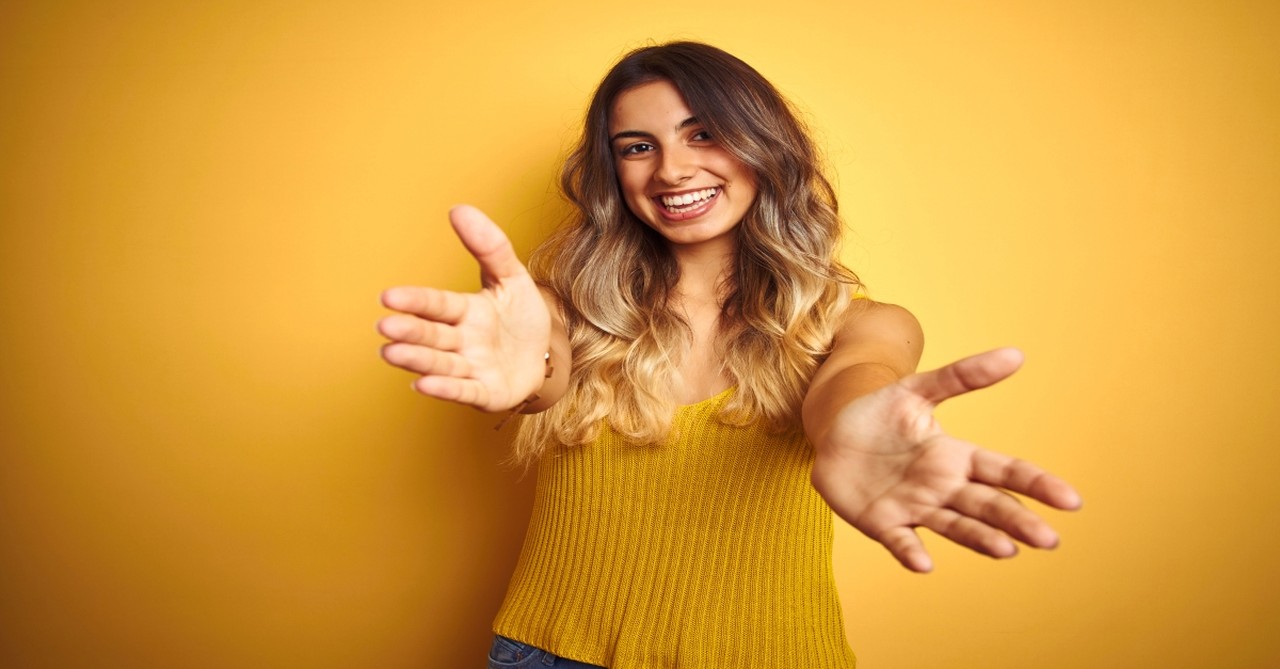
(887, 467)
(482, 349)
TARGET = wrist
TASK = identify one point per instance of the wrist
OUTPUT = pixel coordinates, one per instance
(533, 397)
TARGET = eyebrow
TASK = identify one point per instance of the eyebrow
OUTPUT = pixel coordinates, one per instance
(624, 134)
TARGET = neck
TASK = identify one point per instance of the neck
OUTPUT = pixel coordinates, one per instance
(699, 298)
(702, 271)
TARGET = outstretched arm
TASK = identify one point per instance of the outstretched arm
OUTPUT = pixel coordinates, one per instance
(483, 349)
(884, 464)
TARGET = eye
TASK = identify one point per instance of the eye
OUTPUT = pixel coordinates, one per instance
(702, 136)
(635, 149)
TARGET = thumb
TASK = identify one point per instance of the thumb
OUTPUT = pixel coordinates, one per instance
(486, 242)
(962, 376)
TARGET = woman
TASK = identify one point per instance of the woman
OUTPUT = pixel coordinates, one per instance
(703, 382)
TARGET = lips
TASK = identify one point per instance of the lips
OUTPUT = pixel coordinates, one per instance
(686, 205)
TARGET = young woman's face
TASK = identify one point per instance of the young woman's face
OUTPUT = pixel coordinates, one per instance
(674, 175)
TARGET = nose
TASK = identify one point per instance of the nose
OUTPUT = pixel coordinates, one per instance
(677, 165)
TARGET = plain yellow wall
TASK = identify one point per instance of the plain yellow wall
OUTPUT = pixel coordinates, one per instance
(205, 464)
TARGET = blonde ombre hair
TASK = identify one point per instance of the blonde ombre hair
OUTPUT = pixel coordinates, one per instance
(615, 276)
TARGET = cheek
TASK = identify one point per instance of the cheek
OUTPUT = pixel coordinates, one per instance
(747, 184)
(632, 185)
(736, 171)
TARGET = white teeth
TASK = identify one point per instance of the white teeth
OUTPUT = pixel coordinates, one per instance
(687, 199)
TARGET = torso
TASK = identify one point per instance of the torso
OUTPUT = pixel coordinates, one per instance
(711, 549)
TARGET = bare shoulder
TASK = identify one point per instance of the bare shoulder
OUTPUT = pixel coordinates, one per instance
(878, 332)
(867, 318)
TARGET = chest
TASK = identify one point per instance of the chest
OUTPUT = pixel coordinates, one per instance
(701, 369)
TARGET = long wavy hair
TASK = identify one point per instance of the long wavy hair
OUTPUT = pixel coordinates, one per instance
(615, 276)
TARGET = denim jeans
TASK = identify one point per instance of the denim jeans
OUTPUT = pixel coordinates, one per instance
(511, 654)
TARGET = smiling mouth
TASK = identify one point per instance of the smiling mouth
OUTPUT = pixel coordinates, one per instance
(686, 202)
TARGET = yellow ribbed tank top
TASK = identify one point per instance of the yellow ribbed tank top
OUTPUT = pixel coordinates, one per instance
(710, 551)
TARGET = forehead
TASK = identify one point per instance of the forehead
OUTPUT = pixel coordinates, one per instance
(652, 106)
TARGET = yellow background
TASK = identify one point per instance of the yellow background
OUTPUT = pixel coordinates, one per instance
(205, 464)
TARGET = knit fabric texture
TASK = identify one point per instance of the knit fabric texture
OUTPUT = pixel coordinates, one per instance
(711, 550)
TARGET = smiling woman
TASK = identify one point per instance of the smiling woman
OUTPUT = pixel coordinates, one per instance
(706, 386)
(674, 175)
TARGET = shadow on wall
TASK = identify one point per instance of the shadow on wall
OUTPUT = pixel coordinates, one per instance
(477, 505)
(483, 508)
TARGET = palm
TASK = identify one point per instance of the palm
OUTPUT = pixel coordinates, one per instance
(482, 349)
(499, 336)
(887, 467)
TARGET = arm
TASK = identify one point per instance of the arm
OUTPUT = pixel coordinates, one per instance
(483, 349)
(884, 464)
(876, 345)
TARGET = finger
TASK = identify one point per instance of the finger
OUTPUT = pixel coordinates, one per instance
(907, 549)
(413, 330)
(1005, 513)
(970, 533)
(486, 242)
(1024, 478)
(430, 303)
(962, 376)
(462, 391)
(426, 361)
